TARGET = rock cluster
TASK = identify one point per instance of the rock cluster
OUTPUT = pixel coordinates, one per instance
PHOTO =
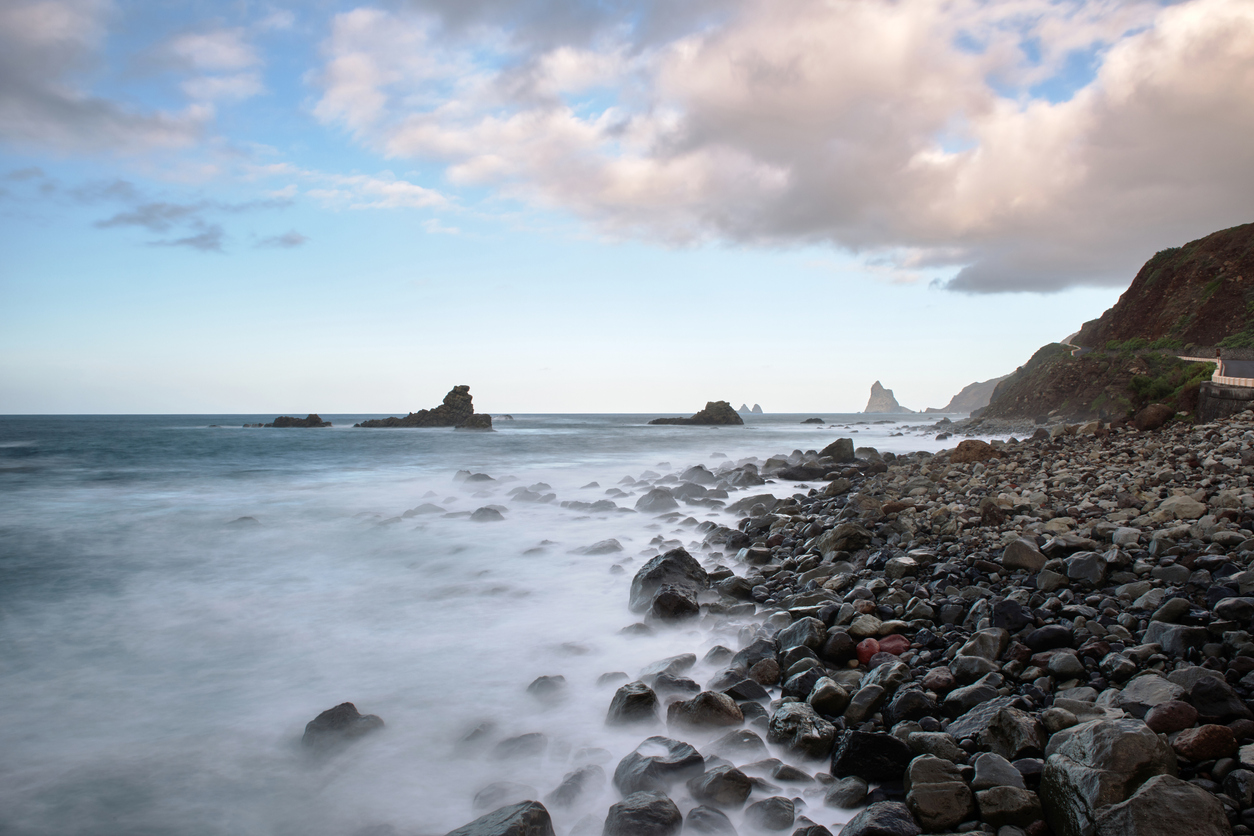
(1030, 637)
(715, 413)
(286, 421)
(458, 411)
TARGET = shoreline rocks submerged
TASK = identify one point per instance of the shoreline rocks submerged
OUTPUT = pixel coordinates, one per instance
(1041, 636)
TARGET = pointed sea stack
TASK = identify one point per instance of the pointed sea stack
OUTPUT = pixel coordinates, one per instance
(716, 413)
(458, 411)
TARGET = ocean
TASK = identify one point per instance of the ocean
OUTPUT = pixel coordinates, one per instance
(160, 657)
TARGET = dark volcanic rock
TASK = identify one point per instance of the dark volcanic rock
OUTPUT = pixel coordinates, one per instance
(456, 409)
(708, 821)
(675, 568)
(528, 818)
(1165, 806)
(706, 710)
(286, 421)
(643, 814)
(724, 786)
(338, 725)
(870, 756)
(634, 702)
(478, 421)
(715, 413)
(884, 818)
(657, 763)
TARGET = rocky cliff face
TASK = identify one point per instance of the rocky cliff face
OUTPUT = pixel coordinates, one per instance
(972, 397)
(715, 413)
(457, 410)
(1199, 294)
(882, 400)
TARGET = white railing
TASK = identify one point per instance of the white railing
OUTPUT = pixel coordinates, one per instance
(1247, 382)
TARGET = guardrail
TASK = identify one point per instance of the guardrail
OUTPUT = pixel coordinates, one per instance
(1247, 382)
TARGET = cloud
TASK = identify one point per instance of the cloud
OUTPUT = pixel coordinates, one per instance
(223, 63)
(286, 241)
(209, 240)
(46, 48)
(916, 133)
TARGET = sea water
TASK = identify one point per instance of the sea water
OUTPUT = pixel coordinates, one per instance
(160, 657)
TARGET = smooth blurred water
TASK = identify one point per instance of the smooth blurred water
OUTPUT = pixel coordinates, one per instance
(158, 664)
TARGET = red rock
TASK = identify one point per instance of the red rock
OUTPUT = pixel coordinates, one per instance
(973, 450)
(1171, 716)
(866, 649)
(894, 644)
(1205, 743)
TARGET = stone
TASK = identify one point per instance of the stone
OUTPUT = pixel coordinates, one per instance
(1146, 691)
(1153, 417)
(1182, 508)
(337, 726)
(1014, 734)
(647, 813)
(846, 537)
(458, 407)
(675, 568)
(1165, 806)
(707, 820)
(656, 501)
(1022, 556)
(502, 794)
(1049, 637)
(1175, 639)
(765, 672)
(828, 698)
(841, 450)
(883, 818)
(929, 769)
(287, 422)
(1216, 702)
(847, 793)
(942, 806)
(864, 702)
(486, 514)
(804, 632)
(1171, 716)
(1088, 567)
(986, 644)
(799, 728)
(1097, 764)
(707, 709)
(1002, 806)
(992, 770)
(633, 703)
(723, 786)
(973, 450)
(740, 745)
(774, 813)
(871, 756)
(715, 413)
(656, 764)
(1205, 743)
(527, 818)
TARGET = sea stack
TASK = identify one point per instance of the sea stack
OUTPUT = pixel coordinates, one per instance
(716, 413)
(757, 409)
(458, 411)
(882, 400)
(287, 421)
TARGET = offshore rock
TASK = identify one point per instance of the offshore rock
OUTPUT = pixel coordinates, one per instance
(643, 814)
(286, 421)
(882, 400)
(528, 818)
(676, 568)
(337, 726)
(716, 413)
(456, 409)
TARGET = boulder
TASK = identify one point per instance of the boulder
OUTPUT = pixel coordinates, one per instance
(841, 450)
(723, 786)
(337, 726)
(633, 703)
(1153, 416)
(708, 821)
(576, 785)
(707, 709)
(1008, 806)
(846, 537)
(774, 813)
(716, 413)
(646, 813)
(973, 450)
(1165, 806)
(846, 793)
(804, 632)
(936, 793)
(656, 764)
(883, 818)
(675, 568)
(527, 818)
(656, 501)
(674, 603)
(478, 421)
(797, 726)
(1022, 555)
(1096, 764)
(871, 756)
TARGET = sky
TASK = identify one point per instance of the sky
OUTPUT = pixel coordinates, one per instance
(572, 206)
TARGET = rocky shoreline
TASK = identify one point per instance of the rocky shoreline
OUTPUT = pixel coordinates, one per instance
(1041, 636)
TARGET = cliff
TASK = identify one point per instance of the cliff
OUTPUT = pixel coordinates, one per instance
(715, 413)
(458, 410)
(972, 397)
(1199, 294)
(882, 400)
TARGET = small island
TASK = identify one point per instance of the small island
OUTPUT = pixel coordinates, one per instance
(288, 422)
(457, 411)
(716, 413)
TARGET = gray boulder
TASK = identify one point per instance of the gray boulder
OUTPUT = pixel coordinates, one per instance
(723, 786)
(1165, 806)
(1096, 764)
(707, 820)
(675, 568)
(527, 818)
(1022, 555)
(656, 764)
(656, 501)
(884, 818)
(337, 726)
(643, 814)
(707, 709)
(871, 756)
(774, 813)
(936, 794)
(797, 726)
(634, 702)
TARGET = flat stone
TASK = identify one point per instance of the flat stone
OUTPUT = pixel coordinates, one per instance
(1146, 691)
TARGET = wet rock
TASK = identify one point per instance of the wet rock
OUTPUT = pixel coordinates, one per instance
(486, 514)
(674, 603)
(1205, 743)
(884, 818)
(1216, 702)
(846, 793)
(576, 785)
(527, 818)
(707, 709)
(707, 820)
(647, 813)
(804, 632)
(1008, 806)
(775, 813)
(740, 746)
(936, 794)
(501, 794)
(521, 746)
(870, 756)
(1171, 716)
(1146, 691)
(547, 688)
(1165, 806)
(993, 770)
(656, 501)
(633, 703)
(798, 727)
(656, 764)
(846, 537)
(676, 568)
(723, 786)
(337, 726)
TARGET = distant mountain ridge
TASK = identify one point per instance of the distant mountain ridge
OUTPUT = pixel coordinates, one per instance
(972, 397)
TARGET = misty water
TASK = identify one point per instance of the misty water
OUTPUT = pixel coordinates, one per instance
(158, 663)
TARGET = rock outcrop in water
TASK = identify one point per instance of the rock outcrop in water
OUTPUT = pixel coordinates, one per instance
(458, 411)
(286, 421)
(757, 409)
(882, 401)
(716, 413)
(337, 726)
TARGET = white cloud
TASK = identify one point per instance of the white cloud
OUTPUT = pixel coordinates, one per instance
(881, 127)
(215, 51)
